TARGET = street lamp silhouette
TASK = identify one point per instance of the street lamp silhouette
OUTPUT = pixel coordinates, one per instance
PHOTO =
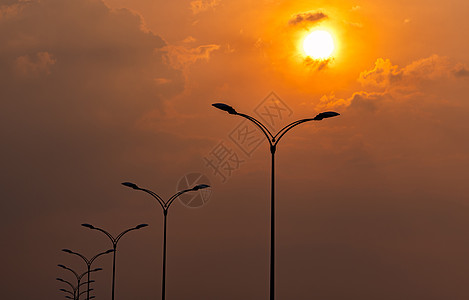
(165, 206)
(74, 288)
(88, 263)
(79, 277)
(114, 241)
(273, 141)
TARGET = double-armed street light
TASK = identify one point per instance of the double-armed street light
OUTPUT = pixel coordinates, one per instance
(114, 241)
(88, 262)
(165, 206)
(79, 277)
(273, 141)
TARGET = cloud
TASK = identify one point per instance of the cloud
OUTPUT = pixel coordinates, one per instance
(180, 57)
(387, 81)
(354, 24)
(317, 64)
(40, 64)
(95, 73)
(10, 8)
(307, 18)
(367, 101)
(198, 6)
(420, 72)
(461, 71)
(381, 75)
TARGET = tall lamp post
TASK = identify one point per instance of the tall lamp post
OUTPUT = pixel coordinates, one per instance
(114, 241)
(88, 264)
(273, 141)
(165, 206)
(79, 277)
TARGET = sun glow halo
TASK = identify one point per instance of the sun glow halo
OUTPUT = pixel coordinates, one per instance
(318, 44)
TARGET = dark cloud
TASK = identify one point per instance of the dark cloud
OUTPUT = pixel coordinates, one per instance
(461, 71)
(76, 78)
(317, 64)
(307, 18)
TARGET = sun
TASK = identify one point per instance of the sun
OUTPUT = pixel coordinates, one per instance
(318, 44)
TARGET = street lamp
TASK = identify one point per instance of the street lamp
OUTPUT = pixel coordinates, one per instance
(88, 262)
(273, 141)
(79, 277)
(74, 288)
(114, 241)
(165, 206)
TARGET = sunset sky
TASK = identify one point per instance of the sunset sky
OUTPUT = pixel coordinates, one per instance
(371, 205)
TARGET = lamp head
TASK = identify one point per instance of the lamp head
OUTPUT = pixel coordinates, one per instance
(200, 186)
(88, 226)
(97, 269)
(67, 250)
(131, 185)
(324, 115)
(225, 107)
(141, 226)
(109, 251)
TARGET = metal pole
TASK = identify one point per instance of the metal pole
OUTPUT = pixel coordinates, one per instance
(113, 270)
(163, 288)
(88, 284)
(272, 226)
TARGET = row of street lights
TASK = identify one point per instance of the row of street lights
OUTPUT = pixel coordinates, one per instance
(89, 261)
(165, 205)
(273, 140)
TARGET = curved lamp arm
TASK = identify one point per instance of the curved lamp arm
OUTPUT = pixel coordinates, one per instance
(232, 111)
(67, 291)
(195, 188)
(67, 268)
(261, 126)
(99, 254)
(99, 229)
(86, 272)
(151, 193)
(81, 293)
(86, 282)
(285, 129)
(128, 230)
(67, 282)
(173, 197)
(76, 253)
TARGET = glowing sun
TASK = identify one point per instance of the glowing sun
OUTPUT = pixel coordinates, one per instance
(318, 44)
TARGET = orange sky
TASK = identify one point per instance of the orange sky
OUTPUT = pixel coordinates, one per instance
(371, 205)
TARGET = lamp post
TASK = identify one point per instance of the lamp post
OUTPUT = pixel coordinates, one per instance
(114, 241)
(79, 277)
(273, 141)
(165, 206)
(88, 263)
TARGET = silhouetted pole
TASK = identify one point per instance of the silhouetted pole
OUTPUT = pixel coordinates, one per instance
(88, 263)
(165, 206)
(273, 141)
(114, 241)
(79, 277)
